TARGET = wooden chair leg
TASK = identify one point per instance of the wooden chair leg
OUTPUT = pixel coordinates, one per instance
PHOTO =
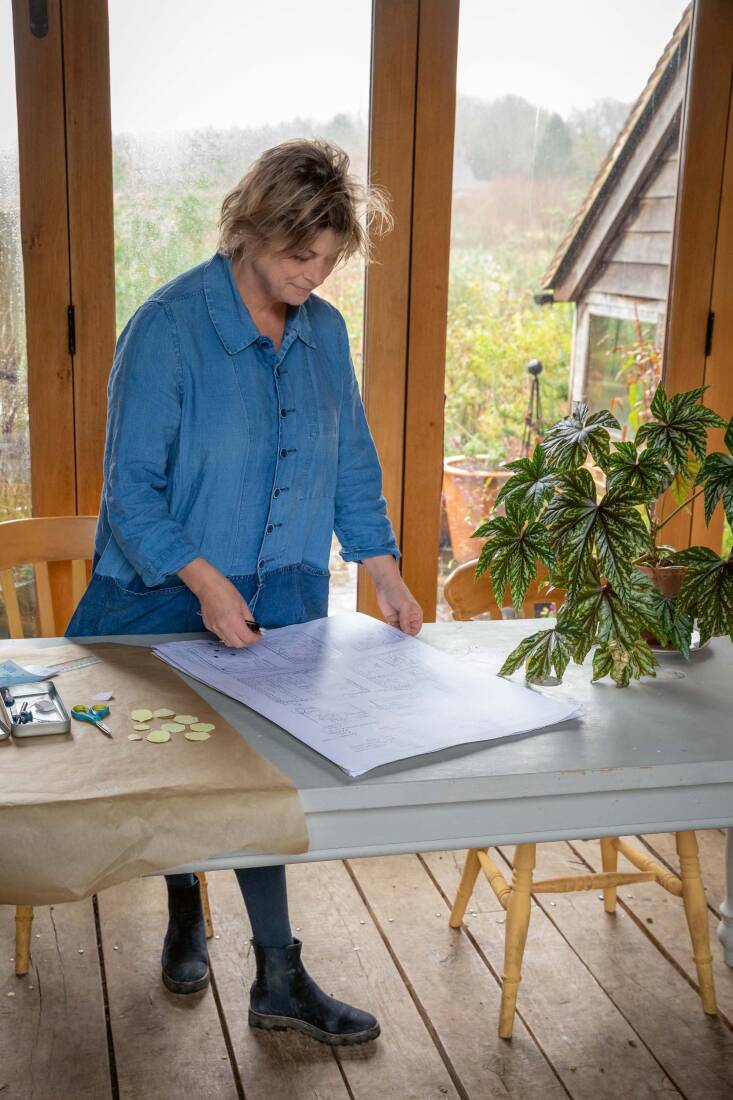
(204, 888)
(517, 926)
(693, 896)
(609, 859)
(23, 923)
(471, 869)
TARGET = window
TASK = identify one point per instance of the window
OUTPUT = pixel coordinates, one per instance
(187, 124)
(565, 169)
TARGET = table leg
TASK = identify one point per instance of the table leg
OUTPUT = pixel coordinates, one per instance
(515, 936)
(471, 869)
(725, 928)
(23, 924)
(693, 897)
(609, 858)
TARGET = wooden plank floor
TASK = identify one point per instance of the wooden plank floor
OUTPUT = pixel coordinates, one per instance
(607, 1007)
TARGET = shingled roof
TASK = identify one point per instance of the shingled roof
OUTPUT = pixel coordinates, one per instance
(624, 170)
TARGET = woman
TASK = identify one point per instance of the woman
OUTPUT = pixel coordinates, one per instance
(236, 444)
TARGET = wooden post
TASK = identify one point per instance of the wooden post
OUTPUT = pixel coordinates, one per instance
(435, 110)
(702, 156)
(391, 147)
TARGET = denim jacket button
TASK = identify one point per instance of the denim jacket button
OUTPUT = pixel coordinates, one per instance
(260, 563)
(283, 453)
(269, 528)
(276, 493)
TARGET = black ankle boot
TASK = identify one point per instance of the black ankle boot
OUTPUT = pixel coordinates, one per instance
(185, 958)
(284, 996)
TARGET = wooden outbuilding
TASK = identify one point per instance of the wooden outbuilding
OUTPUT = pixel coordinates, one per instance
(614, 262)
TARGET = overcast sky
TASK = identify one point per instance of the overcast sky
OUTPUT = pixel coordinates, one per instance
(180, 64)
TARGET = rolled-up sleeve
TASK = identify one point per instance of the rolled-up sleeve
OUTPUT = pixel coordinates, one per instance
(143, 423)
(360, 519)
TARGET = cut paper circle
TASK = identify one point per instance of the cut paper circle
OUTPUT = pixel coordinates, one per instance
(158, 737)
(134, 737)
(197, 735)
(186, 719)
(203, 727)
(172, 727)
(141, 727)
(163, 712)
(141, 715)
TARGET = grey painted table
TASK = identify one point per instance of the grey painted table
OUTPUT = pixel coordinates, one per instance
(655, 757)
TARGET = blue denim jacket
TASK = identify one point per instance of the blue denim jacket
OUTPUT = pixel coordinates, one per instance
(219, 446)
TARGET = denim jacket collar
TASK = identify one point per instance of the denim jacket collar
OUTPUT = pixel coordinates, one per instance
(229, 315)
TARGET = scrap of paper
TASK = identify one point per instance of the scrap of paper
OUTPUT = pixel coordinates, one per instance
(11, 673)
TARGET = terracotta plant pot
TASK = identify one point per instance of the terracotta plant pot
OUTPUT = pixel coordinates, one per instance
(667, 579)
(470, 487)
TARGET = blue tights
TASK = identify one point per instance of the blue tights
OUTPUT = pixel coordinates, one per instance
(266, 897)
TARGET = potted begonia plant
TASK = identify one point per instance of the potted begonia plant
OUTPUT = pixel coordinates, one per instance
(623, 586)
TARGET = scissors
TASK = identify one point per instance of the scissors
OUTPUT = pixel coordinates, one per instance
(94, 714)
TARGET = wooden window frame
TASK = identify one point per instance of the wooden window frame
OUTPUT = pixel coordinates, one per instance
(65, 162)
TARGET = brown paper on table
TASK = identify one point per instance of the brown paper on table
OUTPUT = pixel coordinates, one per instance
(80, 812)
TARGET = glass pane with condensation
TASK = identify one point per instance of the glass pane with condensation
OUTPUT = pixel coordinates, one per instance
(564, 190)
(198, 92)
(15, 463)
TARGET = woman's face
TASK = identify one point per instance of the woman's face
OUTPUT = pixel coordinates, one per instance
(290, 275)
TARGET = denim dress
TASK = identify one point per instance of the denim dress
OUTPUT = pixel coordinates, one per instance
(220, 446)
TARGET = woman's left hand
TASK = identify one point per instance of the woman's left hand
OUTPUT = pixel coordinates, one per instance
(399, 606)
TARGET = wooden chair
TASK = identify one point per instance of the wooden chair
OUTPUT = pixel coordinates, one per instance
(37, 542)
(469, 596)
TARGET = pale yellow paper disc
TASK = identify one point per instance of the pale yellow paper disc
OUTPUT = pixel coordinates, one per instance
(186, 719)
(141, 715)
(158, 736)
(134, 737)
(197, 735)
(163, 712)
(140, 727)
(202, 727)
(172, 727)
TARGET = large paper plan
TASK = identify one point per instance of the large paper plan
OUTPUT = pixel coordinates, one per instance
(362, 693)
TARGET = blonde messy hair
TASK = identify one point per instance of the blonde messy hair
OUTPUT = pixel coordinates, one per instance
(292, 193)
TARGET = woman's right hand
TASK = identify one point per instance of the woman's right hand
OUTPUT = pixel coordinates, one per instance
(223, 609)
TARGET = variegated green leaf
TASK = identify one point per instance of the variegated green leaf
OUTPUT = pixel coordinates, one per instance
(568, 442)
(661, 615)
(532, 484)
(600, 614)
(578, 523)
(511, 552)
(623, 663)
(680, 427)
(707, 590)
(544, 652)
(716, 475)
(646, 472)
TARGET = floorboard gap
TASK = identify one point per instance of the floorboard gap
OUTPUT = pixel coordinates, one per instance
(227, 1037)
(427, 1022)
(342, 1071)
(114, 1083)
(496, 976)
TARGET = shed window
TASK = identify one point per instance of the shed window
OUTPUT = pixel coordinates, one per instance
(612, 343)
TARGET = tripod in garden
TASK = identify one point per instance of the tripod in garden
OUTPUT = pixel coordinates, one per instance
(533, 429)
